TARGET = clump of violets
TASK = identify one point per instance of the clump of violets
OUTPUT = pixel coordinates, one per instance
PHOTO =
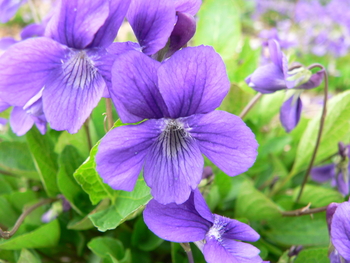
(276, 76)
(216, 236)
(69, 66)
(337, 172)
(178, 99)
(338, 220)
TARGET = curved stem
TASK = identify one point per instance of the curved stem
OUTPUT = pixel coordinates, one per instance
(318, 140)
(187, 248)
(8, 234)
(305, 211)
(250, 105)
(88, 135)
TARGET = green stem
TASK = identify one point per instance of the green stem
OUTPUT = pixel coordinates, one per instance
(319, 135)
(187, 248)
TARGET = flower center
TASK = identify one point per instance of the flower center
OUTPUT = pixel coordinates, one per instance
(218, 228)
(174, 137)
(79, 70)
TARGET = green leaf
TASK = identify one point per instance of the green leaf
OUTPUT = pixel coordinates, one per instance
(85, 223)
(126, 206)
(69, 161)
(15, 158)
(87, 176)
(317, 195)
(219, 26)
(302, 230)
(336, 128)
(28, 257)
(8, 215)
(45, 236)
(143, 238)
(254, 205)
(313, 255)
(109, 248)
(45, 160)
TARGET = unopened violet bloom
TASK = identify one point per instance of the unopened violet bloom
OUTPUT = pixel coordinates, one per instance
(156, 22)
(338, 172)
(275, 76)
(178, 98)
(8, 9)
(216, 236)
(70, 64)
(338, 219)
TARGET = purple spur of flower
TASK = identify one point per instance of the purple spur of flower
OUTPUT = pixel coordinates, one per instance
(338, 220)
(337, 173)
(215, 235)
(155, 22)
(8, 9)
(178, 97)
(71, 63)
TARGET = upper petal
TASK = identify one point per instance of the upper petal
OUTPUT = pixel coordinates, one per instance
(152, 22)
(193, 80)
(188, 6)
(183, 31)
(134, 87)
(225, 139)
(75, 23)
(290, 112)
(107, 33)
(174, 164)
(176, 223)
(8, 9)
(26, 66)
(267, 79)
(73, 91)
(340, 230)
(121, 154)
(323, 173)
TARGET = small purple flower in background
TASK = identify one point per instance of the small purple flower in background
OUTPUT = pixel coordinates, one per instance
(71, 63)
(275, 76)
(8, 9)
(156, 22)
(56, 209)
(338, 172)
(179, 98)
(215, 235)
(338, 219)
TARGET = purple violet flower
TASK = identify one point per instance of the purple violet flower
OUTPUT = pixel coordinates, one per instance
(215, 235)
(178, 97)
(8, 9)
(338, 219)
(71, 63)
(338, 172)
(275, 76)
(156, 22)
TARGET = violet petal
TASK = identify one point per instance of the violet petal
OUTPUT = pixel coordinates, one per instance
(26, 67)
(174, 164)
(188, 6)
(290, 113)
(176, 223)
(20, 121)
(122, 152)
(197, 84)
(225, 139)
(184, 30)
(340, 230)
(75, 23)
(152, 22)
(134, 87)
(72, 92)
(323, 173)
